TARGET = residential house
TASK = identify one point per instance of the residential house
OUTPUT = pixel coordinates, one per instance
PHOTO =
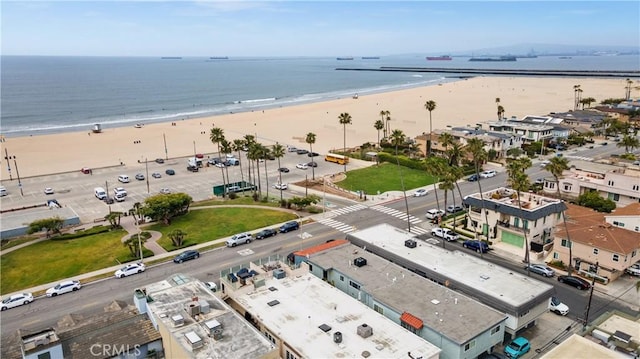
(499, 142)
(627, 217)
(530, 128)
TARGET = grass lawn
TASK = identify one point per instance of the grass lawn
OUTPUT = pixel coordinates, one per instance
(384, 177)
(204, 225)
(49, 261)
(246, 200)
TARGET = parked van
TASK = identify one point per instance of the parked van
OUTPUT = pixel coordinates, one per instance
(3, 191)
(194, 162)
(233, 162)
(100, 193)
(123, 178)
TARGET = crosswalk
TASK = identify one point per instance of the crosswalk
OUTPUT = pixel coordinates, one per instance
(342, 227)
(417, 230)
(396, 213)
(579, 158)
(345, 210)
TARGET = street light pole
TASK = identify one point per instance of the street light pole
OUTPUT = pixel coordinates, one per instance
(6, 157)
(15, 164)
(146, 166)
(166, 154)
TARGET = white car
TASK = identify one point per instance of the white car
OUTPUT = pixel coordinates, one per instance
(48, 190)
(123, 178)
(212, 286)
(544, 163)
(120, 197)
(120, 190)
(64, 287)
(302, 166)
(220, 165)
(488, 174)
(165, 190)
(17, 300)
(556, 306)
(130, 269)
(541, 269)
(434, 213)
(445, 233)
(421, 192)
(634, 269)
(241, 238)
(281, 186)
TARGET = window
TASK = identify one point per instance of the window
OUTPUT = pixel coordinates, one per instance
(636, 187)
(556, 255)
(271, 338)
(595, 251)
(565, 243)
(378, 309)
(354, 284)
(525, 224)
(615, 257)
(633, 253)
(610, 183)
(614, 197)
(619, 224)
(495, 330)
(46, 355)
(516, 222)
(342, 278)
(310, 267)
(289, 355)
(544, 219)
(469, 345)
(567, 187)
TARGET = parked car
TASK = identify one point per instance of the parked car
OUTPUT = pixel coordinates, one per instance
(16, 300)
(281, 186)
(237, 239)
(574, 282)
(302, 166)
(140, 177)
(539, 181)
(64, 287)
(186, 256)
(130, 269)
(212, 286)
(556, 306)
(108, 200)
(312, 164)
(289, 226)
(301, 151)
(445, 233)
(48, 190)
(214, 161)
(313, 154)
(120, 197)
(123, 178)
(170, 172)
(454, 209)
(283, 169)
(477, 246)
(120, 190)
(165, 190)
(435, 213)
(634, 269)
(159, 160)
(472, 178)
(421, 192)
(156, 175)
(541, 269)
(291, 149)
(192, 168)
(265, 233)
(220, 164)
(544, 163)
(488, 174)
(517, 348)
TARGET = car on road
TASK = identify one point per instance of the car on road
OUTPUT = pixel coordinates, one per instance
(63, 287)
(170, 172)
(120, 197)
(281, 186)
(556, 306)
(541, 269)
(291, 149)
(17, 300)
(186, 256)
(283, 169)
(220, 165)
(472, 178)
(48, 190)
(574, 282)
(312, 164)
(159, 160)
(544, 163)
(604, 143)
(265, 233)
(445, 233)
(488, 174)
(108, 200)
(477, 246)
(434, 213)
(140, 177)
(289, 226)
(517, 348)
(634, 269)
(242, 238)
(454, 209)
(123, 178)
(301, 151)
(421, 192)
(120, 190)
(130, 269)
(192, 168)
(313, 154)
(539, 181)
(213, 160)
(156, 175)
(212, 286)
(302, 166)
(165, 190)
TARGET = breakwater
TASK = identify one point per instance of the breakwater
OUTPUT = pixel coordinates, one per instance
(510, 72)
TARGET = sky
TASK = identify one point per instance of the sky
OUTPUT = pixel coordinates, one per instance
(307, 28)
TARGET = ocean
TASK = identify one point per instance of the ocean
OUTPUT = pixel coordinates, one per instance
(41, 94)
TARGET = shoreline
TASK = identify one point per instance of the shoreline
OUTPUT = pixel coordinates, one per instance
(466, 101)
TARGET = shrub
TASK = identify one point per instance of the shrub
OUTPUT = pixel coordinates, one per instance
(233, 195)
(84, 233)
(593, 200)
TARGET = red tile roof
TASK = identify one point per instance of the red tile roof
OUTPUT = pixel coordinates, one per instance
(321, 247)
(411, 320)
(632, 209)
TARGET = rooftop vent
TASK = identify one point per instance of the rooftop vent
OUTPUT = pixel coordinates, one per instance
(365, 331)
(410, 243)
(360, 262)
(194, 340)
(177, 320)
(337, 337)
(273, 303)
(279, 273)
(193, 308)
(325, 328)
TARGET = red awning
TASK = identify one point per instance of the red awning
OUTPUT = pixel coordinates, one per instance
(411, 320)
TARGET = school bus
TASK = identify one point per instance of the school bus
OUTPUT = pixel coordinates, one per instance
(335, 158)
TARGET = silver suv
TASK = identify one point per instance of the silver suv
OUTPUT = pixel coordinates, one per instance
(238, 239)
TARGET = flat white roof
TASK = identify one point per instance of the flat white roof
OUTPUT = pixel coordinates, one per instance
(294, 309)
(497, 286)
(579, 347)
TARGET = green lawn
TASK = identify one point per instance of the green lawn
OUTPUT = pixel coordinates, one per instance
(49, 261)
(204, 225)
(384, 177)
(245, 200)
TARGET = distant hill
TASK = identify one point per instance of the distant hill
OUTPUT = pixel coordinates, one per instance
(542, 50)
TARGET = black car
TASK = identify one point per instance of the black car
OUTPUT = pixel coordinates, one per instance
(170, 172)
(313, 154)
(301, 151)
(472, 178)
(289, 226)
(265, 233)
(192, 168)
(574, 282)
(312, 164)
(186, 256)
(283, 169)
(159, 160)
(108, 200)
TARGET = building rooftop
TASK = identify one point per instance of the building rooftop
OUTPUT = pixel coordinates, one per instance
(306, 313)
(176, 303)
(578, 347)
(499, 287)
(445, 311)
(632, 209)
(594, 167)
(589, 227)
(504, 200)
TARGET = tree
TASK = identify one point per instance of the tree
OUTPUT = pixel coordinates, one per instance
(303, 202)
(254, 155)
(265, 154)
(430, 106)
(455, 153)
(311, 139)
(446, 139)
(593, 200)
(557, 166)
(629, 143)
(519, 181)
(133, 243)
(136, 212)
(163, 207)
(238, 145)
(278, 152)
(435, 166)
(216, 135)
(587, 101)
(379, 125)
(475, 147)
(627, 93)
(575, 96)
(500, 113)
(397, 138)
(225, 147)
(114, 219)
(345, 119)
(248, 141)
(177, 237)
(384, 114)
(51, 225)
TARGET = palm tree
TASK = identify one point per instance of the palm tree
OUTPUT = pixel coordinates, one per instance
(475, 147)
(629, 143)
(519, 181)
(379, 125)
(575, 96)
(278, 152)
(627, 94)
(217, 136)
(500, 112)
(255, 154)
(248, 141)
(447, 182)
(225, 147)
(388, 122)
(556, 166)
(345, 119)
(446, 139)
(383, 114)
(430, 106)
(238, 145)
(587, 101)
(397, 138)
(311, 139)
(265, 153)
(435, 166)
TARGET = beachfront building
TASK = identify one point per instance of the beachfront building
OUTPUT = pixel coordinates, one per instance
(581, 121)
(627, 217)
(460, 326)
(305, 317)
(495, 142)
(522, 299)
(598, 248)
(617, 183)
(508, 223)
(195, 323)
(529, 128)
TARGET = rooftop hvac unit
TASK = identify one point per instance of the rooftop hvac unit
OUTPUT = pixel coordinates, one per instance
(177, 320)
(359, 262)
(337, 337)
(204, 306)
(193, 308)
(212, 325)
(217, 334)
(410, 243)
(279, 273)
(365, 331)
(194, 340)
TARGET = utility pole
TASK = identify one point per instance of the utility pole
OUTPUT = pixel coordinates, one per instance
(166, 154)
(146, 166)
(6, 157)
(593, 283)
(15, 164)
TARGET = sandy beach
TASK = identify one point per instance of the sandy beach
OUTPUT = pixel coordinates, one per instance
(464, 102)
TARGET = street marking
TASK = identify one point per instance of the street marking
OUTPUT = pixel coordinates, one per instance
(345, 210)
(342, 227)
(305, 235)
(396, 213)
(418, 230)
(245, 252)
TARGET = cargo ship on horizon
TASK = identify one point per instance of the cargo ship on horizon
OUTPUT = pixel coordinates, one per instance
(344, 58)
(439, 58)
(490, 59)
